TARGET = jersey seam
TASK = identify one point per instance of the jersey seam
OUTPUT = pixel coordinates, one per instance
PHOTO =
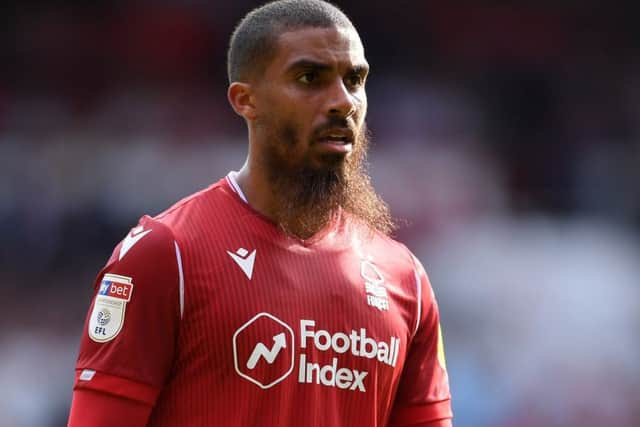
(180, 278)
(122, 377)
(418, 298)
(418, 284)
(179, 261)
(181, 282)
(81, 384)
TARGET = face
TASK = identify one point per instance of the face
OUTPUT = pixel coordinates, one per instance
(311, 101)
(308, 132)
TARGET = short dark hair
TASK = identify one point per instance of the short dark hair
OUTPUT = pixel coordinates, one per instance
(253, 42)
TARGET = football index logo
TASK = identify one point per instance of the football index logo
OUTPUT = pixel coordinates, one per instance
(108, 313)
(259, 362)
(271, 359)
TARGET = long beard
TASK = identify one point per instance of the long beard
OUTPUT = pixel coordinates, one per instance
(308, 197)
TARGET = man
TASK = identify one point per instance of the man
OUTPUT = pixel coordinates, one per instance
(275, 296)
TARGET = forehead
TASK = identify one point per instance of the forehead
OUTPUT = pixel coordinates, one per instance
(340, 47)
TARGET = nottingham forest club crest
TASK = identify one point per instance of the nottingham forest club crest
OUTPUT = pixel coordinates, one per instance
(374, 286)
(109, 308)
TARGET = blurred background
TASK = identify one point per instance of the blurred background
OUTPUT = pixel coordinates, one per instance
(506, 139)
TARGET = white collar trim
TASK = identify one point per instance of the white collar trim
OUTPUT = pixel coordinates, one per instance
(233, 182)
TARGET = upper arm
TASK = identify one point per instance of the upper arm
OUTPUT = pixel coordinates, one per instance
(130, 336)
(423, 397)
(90, 408)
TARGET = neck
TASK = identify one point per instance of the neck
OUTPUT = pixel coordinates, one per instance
(262, 197)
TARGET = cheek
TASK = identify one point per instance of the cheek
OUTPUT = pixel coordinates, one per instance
(288, 135)
(362, 108)
(300, 122)
(288, 117)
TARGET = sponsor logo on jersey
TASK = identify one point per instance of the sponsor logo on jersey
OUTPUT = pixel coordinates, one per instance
(266, 362)
(114, 287)
(107, 317)
(357, 343)
(374, 286)
(87, 375)
(245, 260)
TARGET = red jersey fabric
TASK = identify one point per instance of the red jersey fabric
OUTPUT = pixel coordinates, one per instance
(212, 315)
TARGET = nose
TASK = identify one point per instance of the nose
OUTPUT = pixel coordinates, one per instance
(342, 103)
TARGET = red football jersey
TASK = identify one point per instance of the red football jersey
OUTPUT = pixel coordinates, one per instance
(214, 316)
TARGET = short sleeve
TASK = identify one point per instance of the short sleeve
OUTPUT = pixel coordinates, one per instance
(423, 393)
(129, 339)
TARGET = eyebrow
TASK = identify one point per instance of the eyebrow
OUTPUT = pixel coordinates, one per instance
(360, 69)
(320, 66)
(307, 63)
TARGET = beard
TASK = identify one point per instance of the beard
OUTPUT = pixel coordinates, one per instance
(310, 196)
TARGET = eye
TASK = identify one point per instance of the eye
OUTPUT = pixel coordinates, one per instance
(308, 77)
(355, 80)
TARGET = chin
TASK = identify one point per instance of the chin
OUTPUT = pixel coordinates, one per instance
(332, 162)
(333, 169)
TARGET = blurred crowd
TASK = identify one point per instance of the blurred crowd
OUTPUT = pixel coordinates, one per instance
(506, 138)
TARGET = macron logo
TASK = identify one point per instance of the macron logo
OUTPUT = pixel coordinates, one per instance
(261, 350)
(244, 259)
(131, 239)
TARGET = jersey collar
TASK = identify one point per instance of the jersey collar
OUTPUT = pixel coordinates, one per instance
(233, 183)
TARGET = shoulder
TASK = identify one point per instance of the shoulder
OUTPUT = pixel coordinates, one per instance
(213, 194)
(155, 238)
(412, 269)
(389, 250)
(197, 212)
(144, 266)
(150, 241)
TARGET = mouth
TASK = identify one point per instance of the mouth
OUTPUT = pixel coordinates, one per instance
(338, 140)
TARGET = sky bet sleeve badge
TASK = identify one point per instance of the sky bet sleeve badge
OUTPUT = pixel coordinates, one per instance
(107, 317)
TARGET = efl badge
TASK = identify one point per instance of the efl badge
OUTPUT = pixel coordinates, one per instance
(107, 317)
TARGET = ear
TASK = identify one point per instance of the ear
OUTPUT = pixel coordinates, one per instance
(241, 100)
